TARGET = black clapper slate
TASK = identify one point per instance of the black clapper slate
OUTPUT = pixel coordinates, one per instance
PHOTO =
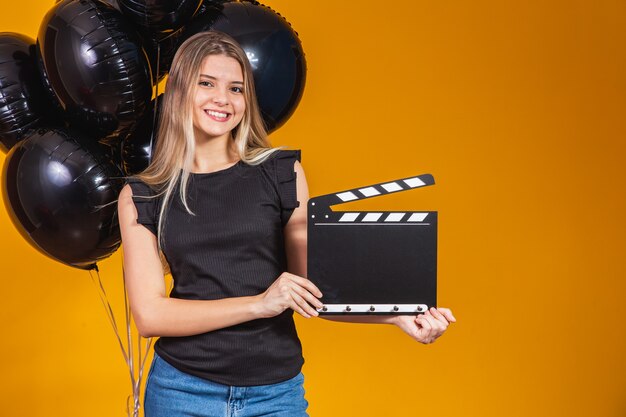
(376, 262)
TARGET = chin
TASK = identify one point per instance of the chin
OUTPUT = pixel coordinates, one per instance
(214, 133)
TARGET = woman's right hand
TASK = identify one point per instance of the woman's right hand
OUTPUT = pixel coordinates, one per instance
(290, 291)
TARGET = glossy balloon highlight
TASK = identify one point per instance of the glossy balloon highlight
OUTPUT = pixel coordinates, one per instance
(61, 195)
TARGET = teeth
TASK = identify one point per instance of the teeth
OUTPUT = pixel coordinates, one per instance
(216, 113)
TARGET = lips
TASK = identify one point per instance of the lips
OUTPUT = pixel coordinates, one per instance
(219, 116)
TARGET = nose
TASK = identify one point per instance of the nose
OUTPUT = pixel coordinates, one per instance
(220, 97)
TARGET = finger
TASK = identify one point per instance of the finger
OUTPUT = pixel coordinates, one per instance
(434, 324)
(306, 283)
(433, 321)
(438, 316)
(422, 322)
(301, 302)
(301, 312)
(298, 310)
(448, 314)
(424, 330)
(310, 298)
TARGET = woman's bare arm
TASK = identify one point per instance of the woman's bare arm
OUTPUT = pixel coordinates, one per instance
(295, 230)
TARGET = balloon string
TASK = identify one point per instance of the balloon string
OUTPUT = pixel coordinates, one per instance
(127, 317)
(109, 311)
(131, 366)
(136, 383)
(129, 351)
(158, 62)
(156, 100)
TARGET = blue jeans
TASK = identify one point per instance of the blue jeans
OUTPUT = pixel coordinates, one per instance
(172, 393)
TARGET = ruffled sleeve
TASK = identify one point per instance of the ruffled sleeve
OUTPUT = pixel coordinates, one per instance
(145, 203)
(286, 181)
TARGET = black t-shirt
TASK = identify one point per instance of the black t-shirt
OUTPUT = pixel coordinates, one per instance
(232, 247)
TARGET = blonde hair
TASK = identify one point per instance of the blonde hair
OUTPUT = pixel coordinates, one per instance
(175, 141)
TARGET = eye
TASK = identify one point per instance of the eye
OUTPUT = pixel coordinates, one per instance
(206, 83)
(238, 90)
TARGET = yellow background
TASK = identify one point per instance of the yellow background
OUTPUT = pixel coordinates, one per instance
(518, 110)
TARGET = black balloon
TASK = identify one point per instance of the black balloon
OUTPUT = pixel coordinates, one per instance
(94, 66)
(161, 53)
(160, 23)
(273, 49)
(23, 102)
(111, 2)
(112, 150)
(209, 6)
(138, 147)
(159, 17)
(61, 196)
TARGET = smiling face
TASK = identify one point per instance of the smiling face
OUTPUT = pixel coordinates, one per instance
(219, 103)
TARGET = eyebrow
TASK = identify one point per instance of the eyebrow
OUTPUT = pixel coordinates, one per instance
(213, 78)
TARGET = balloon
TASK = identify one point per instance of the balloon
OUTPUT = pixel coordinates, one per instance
(273, 49)
(23, 101)
(138, 147)
(94, 67)
(112, 150)
(160, 23)
(159, 17)
(161, 53)
(208, 5)
(56, 190)
(111, 2)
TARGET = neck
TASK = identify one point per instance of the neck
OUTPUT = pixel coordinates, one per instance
(214, 153)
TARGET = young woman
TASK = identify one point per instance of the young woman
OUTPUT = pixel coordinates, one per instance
(228, 212)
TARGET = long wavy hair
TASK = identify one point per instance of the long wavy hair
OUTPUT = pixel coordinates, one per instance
(175, 142)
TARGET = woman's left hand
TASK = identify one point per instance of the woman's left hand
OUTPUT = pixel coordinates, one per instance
(427, 327)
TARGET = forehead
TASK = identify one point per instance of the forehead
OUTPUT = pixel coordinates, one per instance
(222, 67)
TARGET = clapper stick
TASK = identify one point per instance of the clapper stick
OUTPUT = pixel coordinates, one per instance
(378, 262)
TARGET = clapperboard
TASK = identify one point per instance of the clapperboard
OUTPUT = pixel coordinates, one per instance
(378, 262)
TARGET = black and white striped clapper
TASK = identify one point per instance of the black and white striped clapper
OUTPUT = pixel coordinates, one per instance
(378, 262)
